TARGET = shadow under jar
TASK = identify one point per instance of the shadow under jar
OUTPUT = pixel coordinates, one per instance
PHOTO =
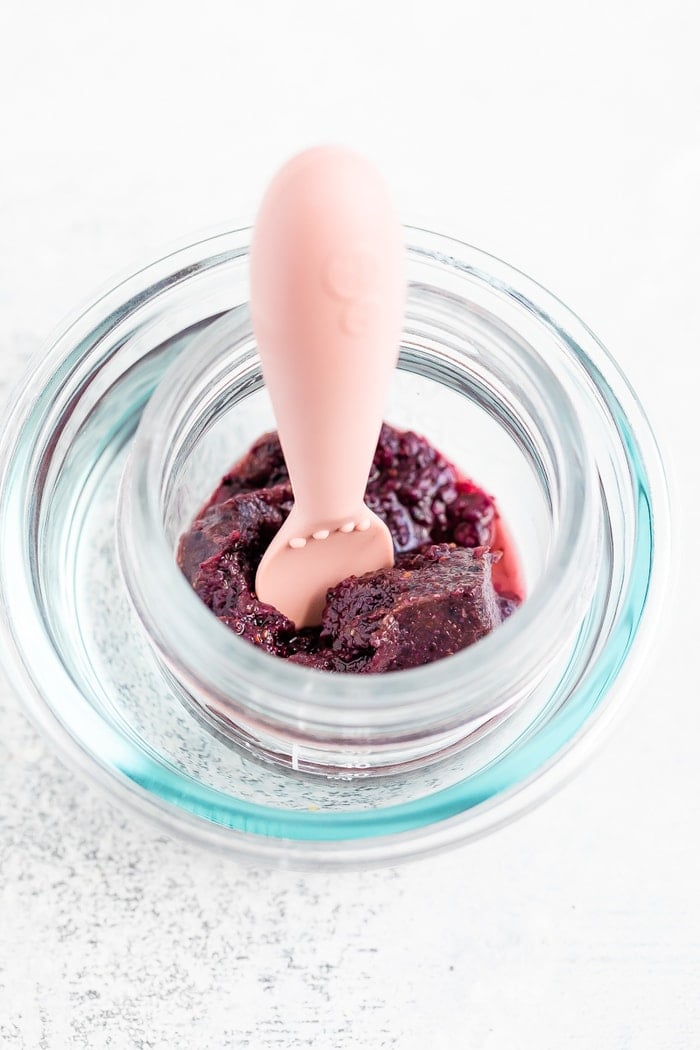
(126, 424)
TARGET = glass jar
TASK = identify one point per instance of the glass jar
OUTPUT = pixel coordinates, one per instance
(124, 428)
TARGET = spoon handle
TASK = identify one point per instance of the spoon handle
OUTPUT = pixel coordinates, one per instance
(327, 300)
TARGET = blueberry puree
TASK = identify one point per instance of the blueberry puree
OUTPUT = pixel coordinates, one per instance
(454, 580)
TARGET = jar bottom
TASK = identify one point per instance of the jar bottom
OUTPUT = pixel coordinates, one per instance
(333, 761)
(131, 685)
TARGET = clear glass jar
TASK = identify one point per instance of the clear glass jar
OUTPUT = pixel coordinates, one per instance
(274, 761)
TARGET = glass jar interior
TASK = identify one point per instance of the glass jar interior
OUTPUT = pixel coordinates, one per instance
(478, 442)
(480, 391)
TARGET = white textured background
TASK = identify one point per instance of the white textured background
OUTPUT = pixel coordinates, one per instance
(565, 138)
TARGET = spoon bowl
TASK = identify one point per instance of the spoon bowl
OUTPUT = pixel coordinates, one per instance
(299, 572)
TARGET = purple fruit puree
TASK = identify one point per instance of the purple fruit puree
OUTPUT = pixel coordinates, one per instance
(451, 584)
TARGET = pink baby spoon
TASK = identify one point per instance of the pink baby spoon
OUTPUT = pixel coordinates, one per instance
(327, 300)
